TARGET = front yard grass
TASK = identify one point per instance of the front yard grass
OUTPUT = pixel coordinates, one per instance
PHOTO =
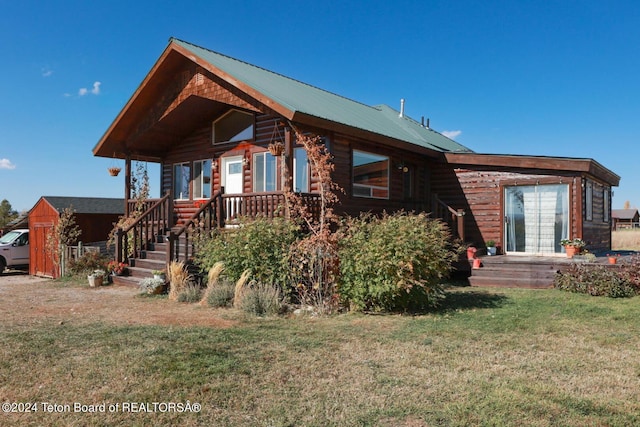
(487, 357)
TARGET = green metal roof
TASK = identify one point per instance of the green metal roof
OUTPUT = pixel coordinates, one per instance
(300, 97)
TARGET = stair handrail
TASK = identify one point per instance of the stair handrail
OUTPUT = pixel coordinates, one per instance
(214, 207)
(144, 227)
(457, 215)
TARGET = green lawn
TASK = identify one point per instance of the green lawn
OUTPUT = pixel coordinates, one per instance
(490, 357)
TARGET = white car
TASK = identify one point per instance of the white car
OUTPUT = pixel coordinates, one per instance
(14, 249)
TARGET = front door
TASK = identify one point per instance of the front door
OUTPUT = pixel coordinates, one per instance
(233, 182)
(536, 218)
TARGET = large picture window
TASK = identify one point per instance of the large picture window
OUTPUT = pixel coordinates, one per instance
(370, 175)
(233, 126)
(181, 181)
(589, 201)
(265, 172)
(202, 179)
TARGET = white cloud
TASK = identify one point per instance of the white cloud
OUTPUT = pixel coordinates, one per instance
(46, 72)
(453, 134)
(6, 164)
(95, 90)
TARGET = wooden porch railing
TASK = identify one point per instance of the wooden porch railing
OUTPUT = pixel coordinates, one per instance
(154, 221)
(454, 218)
(210, 215)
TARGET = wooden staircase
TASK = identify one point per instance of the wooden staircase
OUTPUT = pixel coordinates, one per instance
(518, 271)
(154, 258)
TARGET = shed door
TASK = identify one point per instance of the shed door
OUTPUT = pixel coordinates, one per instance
(536, 218)
(41, 263)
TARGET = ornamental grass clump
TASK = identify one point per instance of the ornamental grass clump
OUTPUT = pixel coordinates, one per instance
(179, 278)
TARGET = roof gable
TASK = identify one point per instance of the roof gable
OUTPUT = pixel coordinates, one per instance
(295, 99)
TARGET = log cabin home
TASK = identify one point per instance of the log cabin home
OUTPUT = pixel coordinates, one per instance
(209, 120)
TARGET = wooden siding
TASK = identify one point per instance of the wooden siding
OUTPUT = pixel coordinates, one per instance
(479, 191)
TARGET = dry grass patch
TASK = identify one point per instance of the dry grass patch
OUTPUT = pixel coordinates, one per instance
(507, 357)
(625, 240)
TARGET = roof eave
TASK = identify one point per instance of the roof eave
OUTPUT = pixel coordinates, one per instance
(586, 166)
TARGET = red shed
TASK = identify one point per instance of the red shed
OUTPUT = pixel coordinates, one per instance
(94, 216)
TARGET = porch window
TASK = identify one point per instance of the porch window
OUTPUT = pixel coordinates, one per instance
(370, 175)
(300, 171)
(202, 179)
(605, 205)
(233, 126)
(181, 181)
(264, 172)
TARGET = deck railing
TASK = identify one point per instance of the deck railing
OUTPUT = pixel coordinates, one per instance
(156, 219)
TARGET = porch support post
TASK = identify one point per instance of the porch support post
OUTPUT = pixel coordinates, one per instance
(461, 224)
(287, 163)
(127, 184)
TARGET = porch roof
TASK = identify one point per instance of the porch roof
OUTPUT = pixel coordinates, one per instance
(512, 161)
(294, 100)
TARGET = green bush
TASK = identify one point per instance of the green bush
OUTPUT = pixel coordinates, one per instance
(394, 261)
(597, 280)
(261, 299)
(87, 263)
(260, 246)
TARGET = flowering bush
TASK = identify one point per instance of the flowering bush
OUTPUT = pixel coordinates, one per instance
(117, 267)
(577, 242)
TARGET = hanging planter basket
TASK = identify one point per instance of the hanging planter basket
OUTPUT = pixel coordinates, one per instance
(114, 171)
(276, 148)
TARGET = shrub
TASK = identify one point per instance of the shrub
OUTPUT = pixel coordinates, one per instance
(192, 292)
(261, 299)
(149, 285)
(596, 280)
(220, 295)
(87, 263)
(260, 246)
(394, 261)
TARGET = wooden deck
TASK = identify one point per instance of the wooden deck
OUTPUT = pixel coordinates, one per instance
(533, 272)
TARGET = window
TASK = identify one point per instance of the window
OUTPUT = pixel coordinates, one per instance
(605, 205)
(265, 172)
(233, 126)
(300, 171)
(589, 201)
(370, 175)
(202, 179)
(181, 181)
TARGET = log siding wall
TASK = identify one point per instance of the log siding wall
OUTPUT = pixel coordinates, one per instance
(480, 191)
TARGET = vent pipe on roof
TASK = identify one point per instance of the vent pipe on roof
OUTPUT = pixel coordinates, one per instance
(428, 122)
(401, 107)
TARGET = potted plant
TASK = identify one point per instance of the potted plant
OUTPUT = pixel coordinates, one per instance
(159, 274)
(491, 247)
(276, 148)
(152, 286)
(117, 268)
(95, 278)
(573, 246)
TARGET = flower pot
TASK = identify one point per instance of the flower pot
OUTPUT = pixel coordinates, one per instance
(571, 251)
(114, 171)
(160, 276)
(491, 250)
(276, 149)
(94, 281)
(613, 260)
(471, 253)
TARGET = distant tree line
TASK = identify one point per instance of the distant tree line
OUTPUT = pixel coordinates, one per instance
(7, 213)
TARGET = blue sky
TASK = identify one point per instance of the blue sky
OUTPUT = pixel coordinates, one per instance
(555, 78)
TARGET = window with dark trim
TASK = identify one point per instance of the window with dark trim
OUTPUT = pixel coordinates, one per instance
(605, 205)
(370, 175)
(181, 181)
(233, 126)
(589, 201)
(265, 177)
(202, 179)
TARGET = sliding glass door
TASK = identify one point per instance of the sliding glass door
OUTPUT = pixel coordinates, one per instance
(536, 218)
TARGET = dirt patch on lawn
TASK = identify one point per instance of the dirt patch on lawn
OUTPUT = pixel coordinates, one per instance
(27, 300)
